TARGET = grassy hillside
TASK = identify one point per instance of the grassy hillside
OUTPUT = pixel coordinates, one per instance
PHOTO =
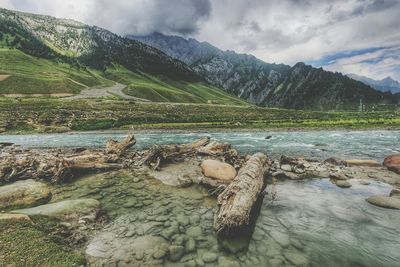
(159, 89)
(31, 75)
(25, 74)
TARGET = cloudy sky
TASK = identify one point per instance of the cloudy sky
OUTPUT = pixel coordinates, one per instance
(350, 36)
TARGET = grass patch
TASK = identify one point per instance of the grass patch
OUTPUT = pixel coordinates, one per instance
(34, 244)
(33, 114)
(31, 75)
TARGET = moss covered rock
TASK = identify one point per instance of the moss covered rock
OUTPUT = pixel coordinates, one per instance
(24, 194)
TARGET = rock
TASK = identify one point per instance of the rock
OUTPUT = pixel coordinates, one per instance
(392, 162)
(181, 174)
(190, 245)
(14, 217)
(176, 252)
(23, 194)
(68, 210)
(275, 262)
(296, 259)
(281, 238)
(194, 231)
(218, 170)
(343, 184)
(234, 245)
(160, 253)
(363, 162)
(385, 202)
(111, 246)
(335, 162)
(209, 257)
(286, 175)
(338, 176)
(395, 193)
(286, 167)
(362, 182)
(268, 137)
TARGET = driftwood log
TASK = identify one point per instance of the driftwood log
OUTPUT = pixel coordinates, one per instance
(160, 154)
(52, 167)
(237, 201)
(119, 148)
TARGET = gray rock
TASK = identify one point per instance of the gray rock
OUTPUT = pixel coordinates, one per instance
(176, 252)
(385, 202)
(275, 262)
(286, 167)
(297, 259)
(194, 231)
(69, 209)
(343, 184)
(23, 194)
(281, 238)
(190, 245)
(395, 193)
(209, 257)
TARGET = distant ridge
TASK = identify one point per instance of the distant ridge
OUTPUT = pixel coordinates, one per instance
(273, 85)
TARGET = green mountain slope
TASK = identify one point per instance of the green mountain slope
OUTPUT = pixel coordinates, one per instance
(43, 55)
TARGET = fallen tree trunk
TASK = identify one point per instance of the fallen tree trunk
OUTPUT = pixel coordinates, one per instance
(158, 155)
(119, 148)
(52, 167)
(238, 199)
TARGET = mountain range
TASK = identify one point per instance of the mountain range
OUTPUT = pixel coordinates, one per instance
(385, 85)
(46, 55)
(265, 84)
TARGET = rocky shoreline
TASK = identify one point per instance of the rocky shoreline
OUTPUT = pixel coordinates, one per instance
(30, 191)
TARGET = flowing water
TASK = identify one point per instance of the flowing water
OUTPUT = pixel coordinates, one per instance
(310, 223)
(318, 144)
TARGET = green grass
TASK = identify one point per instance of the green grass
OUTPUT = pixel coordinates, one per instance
(31, 75)
(53, 115)
(35, 244)
(158, 89)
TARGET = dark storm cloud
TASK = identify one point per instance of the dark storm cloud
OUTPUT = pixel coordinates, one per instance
(143, 17)
(125, 16)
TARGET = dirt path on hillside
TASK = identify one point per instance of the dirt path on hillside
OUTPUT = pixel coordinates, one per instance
(114, 90)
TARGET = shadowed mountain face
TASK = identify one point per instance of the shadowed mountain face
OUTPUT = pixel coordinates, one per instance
(384, 85)
(75, 42)
(277, 85)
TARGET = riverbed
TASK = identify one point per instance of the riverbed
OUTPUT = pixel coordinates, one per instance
(310, 223)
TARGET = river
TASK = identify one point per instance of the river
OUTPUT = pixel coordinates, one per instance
(310, 223)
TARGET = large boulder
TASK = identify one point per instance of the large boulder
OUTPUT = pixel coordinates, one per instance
(23, 194)
(218, 170)
(392, 162)
(66, 210)
(14, 217)
(385, 202)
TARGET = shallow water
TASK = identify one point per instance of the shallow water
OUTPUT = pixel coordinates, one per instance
(315, 144)
(311, 222)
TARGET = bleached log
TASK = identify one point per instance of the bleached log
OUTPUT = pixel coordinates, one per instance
(160, 154)
(236, 202)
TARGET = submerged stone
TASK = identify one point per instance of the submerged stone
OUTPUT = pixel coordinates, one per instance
(297, 259)
(385, 202)
(69, 209)
(343, 184)
(176, 252)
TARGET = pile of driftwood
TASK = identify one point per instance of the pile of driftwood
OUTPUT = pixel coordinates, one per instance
(236, 202)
